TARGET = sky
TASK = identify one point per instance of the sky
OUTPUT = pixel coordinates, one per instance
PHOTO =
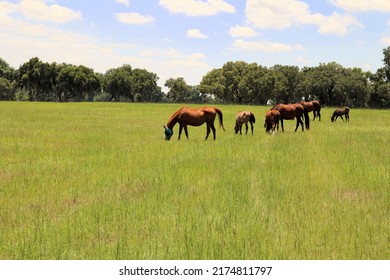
(188, 38)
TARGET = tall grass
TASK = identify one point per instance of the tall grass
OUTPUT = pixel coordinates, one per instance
(98, 181)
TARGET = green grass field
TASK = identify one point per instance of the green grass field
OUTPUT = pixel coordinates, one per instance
(98, 181)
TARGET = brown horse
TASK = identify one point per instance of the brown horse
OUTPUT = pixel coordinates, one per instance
(313, 106)
(243, 117)
(195, 117)
(291, 111)
(272, 118)
(339, 113)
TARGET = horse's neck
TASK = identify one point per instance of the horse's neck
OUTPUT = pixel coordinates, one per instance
(172, 121)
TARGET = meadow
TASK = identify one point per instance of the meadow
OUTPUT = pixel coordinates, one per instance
(98, 181)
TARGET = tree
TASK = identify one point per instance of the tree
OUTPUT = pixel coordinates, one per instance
(6, 90)
(351, 88)
(145, 87)
(6, 71)
(35, 77)
(237, 82)
(118, 83)
(380, 81)
(213, 84)
(76, 83)
(286, 82)
(178, 89)
(7, 74)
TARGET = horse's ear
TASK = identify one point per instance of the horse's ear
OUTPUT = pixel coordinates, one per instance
(164, 126)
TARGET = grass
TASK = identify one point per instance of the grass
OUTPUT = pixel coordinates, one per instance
(98, 181)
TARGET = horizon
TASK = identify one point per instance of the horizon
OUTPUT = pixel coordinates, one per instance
(189, 38)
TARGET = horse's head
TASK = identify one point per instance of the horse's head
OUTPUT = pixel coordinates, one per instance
(236, 128)
(168, 133)
(332, 118)
(268, 126)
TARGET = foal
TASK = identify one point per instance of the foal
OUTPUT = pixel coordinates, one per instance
(339, 113)
(272, 118)
(243, 117)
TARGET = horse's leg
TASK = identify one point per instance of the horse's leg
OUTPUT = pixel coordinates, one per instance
(213, 129)
(246, 128)
(281, 121)
(298, 122)
(180, 130)
(186, 131)
(240, 128)
(252, 127)
(314, 114)
(346, 117)
(207, 131)
(341, 116)
(319, 116)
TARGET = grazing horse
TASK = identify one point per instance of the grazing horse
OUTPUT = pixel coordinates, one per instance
(272, 118)
(243, 117)
(195, 117)
(291, 111)
(339, 113)
(314, 106)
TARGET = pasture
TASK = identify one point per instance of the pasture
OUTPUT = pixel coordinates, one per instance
(98, 181)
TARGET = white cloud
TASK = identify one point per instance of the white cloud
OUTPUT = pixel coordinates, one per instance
(124, 2)
(242, 31)
(336, 24)
(197, 8)
(266, 14)
(195, 33)
(275, 14)
(385, 41)
(363, 5)
(263, 46)
(303, 60)
(39, 10)
(133, 18)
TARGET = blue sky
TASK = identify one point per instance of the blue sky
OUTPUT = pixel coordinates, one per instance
(188, 38)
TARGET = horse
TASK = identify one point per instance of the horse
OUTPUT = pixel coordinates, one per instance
(243, 117)
(314, 106)
(291, 111)
(194, 117)
(339, 113)
(272, 118)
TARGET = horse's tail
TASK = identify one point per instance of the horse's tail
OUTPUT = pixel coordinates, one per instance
(219, 112)
(252, 118)
(307, 120)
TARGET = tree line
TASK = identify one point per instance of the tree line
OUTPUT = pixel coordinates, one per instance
(236, 82)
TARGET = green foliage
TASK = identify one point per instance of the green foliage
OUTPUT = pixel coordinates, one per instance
(236, 82)
(107, 186)
(76, 83)
(180, 92)
(6, 92)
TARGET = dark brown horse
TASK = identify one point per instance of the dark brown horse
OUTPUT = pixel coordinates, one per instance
(272, 118)
(313, 106)
(291, 111)
(339, 113)
(243, 117)
(195, 117)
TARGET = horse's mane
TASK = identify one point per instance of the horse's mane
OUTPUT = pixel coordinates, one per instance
(172, 121)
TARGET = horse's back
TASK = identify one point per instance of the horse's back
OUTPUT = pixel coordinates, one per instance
(197, 116)
(272, 115)
(243, 116)
(289, 111)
